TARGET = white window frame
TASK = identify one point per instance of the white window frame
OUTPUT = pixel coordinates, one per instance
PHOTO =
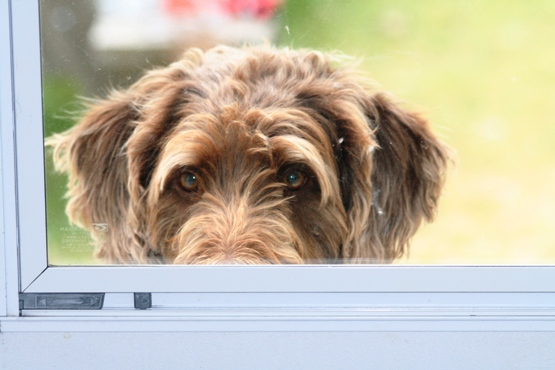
(311, 297)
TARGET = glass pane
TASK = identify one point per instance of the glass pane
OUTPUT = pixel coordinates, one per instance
(481, 74)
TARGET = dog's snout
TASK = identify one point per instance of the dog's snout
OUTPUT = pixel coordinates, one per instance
(237, 235)
(222, 252)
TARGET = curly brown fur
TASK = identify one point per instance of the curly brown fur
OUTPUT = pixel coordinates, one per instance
(251, 156)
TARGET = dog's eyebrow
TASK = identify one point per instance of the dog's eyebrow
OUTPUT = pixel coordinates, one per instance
(187, 148)
(291, 122)
(293, 149)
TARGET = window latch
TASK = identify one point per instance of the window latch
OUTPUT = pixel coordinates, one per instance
(142, 300)
(61, 301)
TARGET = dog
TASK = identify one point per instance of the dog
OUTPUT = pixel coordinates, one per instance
(254, 155)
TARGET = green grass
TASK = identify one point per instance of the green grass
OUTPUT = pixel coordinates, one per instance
(66, 244)
(483, 72)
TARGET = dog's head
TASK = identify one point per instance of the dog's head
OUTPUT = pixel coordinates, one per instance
(253, 155)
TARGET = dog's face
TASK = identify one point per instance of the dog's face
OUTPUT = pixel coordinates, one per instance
(245, 185)
(251, 156)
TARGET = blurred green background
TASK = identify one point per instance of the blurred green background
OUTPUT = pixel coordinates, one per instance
(483, 72)
(67, 244)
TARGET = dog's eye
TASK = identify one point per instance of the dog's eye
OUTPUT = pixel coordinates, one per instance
(294, 180)
(188, 181)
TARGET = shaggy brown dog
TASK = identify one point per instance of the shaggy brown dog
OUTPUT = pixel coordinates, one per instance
(250, 156)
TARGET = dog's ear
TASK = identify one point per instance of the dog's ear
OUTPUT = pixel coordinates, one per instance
(110, 153)
(92, 153)
(393, 185)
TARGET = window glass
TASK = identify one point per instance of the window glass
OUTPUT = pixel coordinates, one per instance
(481, 74)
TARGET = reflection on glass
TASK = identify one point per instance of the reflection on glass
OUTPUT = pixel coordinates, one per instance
(483, 72)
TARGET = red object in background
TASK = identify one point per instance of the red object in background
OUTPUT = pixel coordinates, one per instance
(260, 9)
(180, 7)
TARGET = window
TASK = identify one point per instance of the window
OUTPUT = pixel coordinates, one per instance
(333, 290)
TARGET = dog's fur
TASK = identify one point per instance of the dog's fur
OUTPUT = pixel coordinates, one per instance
(190, 164)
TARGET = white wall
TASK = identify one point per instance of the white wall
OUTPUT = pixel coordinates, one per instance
(232, 350)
